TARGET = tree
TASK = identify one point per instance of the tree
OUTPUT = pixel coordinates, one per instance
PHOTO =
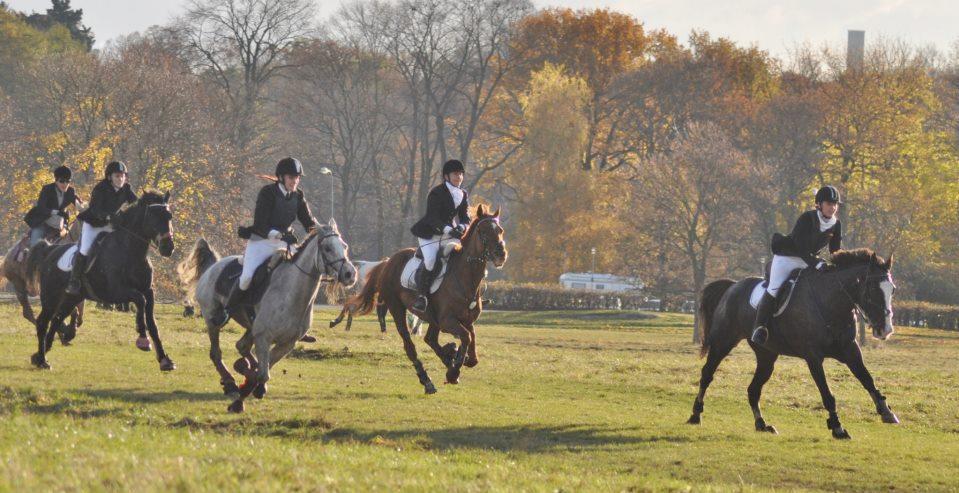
(696, 191)
(240, 44)
(72, 19)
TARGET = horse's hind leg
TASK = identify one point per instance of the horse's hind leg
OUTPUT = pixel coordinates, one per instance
(828, 400)
(216, 356)
(717, 352)
(399, 318)
(852, 356)
(24, 300)
(765, 362)
(381, 317)
(339, 318)
(39, 358)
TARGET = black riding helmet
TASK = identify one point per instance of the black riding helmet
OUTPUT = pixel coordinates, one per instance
(452, 166)
(116, 167)
(828, 193)
(289, 166)
(62, 174)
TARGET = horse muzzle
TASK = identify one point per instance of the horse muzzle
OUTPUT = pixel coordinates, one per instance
(165, 244)
(347, 274)
(499, 256)
(887, 330)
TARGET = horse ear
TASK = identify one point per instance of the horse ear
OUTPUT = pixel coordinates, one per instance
(166, 196)
(333, 225)
(496, 214)
(889, 262)
(481, 210)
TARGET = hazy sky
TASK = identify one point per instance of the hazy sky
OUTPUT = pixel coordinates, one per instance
(773, 26)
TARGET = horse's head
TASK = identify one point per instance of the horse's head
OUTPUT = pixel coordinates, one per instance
(335, 254)
(873, 289)
(158, 221)
(486, 234)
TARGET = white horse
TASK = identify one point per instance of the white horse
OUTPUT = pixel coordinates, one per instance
(283, 314)
(363, 269)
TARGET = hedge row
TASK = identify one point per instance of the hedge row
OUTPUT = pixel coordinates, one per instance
(922, 314)
(509, 296)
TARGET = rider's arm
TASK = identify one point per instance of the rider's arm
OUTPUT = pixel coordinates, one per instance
(130, 196)
(434, 204)
(835, 243)
(803, 234)
(303, 213)
(261, 213)
(464, 210)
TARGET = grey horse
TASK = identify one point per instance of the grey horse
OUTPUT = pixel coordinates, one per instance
(283, 314)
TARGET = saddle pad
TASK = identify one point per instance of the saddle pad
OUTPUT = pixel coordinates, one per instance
(231, 273)
(408, 277)
(66, 260)
(783, 297)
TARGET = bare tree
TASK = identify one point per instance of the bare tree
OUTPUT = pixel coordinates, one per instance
(239, 44)
(696, 191)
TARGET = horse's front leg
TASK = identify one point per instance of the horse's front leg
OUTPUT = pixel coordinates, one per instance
(828, 400)
(166, 364)
(24, 300)
(852, 356)
(471, 358)
(460, 331)
(432, 339)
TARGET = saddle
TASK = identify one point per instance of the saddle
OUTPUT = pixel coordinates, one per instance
(785, 291)
(408, 277)
(230, 276)
(20, 250)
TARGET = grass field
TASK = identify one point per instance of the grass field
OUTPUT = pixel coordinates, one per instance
(560, 401)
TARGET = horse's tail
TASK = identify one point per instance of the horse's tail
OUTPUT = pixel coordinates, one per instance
(194, 265)
(365, 300)
(32, 273)
(708, 302)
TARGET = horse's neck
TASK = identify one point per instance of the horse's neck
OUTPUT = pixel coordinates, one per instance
(472, 273)
(301, 279)
(133, 237)
(837, 290)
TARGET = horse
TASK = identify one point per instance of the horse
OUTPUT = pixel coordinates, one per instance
(119, 272)
(202, 254)
(817, 323)
(14, 270)
(453, 308)
(363, 269)
(284, 312)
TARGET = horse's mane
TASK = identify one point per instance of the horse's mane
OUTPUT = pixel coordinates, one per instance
(473, 225)
(844, 259)
(148, 198)
(313, 234)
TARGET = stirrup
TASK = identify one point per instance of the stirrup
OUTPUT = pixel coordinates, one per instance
(421, 303)
(760, 335)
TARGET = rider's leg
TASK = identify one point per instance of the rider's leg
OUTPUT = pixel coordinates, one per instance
(87, 236)
(778, 273)
(36, 235)
(425, 275)
(258, 250)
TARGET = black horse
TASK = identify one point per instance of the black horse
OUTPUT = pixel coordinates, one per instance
(818, 323)
(119, 272)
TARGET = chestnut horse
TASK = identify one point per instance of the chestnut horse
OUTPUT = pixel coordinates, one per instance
(453, 308)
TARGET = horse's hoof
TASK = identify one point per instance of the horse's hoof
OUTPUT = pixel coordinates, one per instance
(430, 388)
(890, 418)
(841, 434)
(236, 406)
(764, 428)
(259, 391)
(167, 365)
(241, 366)
(39, 361)
(694, 420)
(144, 344)
(307, 338)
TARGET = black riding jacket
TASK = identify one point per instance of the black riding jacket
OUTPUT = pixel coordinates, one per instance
(47, 203)
(276, 210)
(806, 240)
(440, 211)
(105, 201)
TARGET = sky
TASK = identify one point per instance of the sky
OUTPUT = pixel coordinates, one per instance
(777, 27)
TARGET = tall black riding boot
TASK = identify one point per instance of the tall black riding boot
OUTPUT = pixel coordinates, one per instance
(424, 280)
(75, 285)
(764, 314)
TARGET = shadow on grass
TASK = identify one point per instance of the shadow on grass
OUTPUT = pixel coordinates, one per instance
(136, 396)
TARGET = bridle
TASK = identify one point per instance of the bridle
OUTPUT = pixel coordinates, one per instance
(149, 241)
(487, 255)
(315, 270)
(863, 294)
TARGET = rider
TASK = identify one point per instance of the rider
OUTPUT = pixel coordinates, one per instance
(814, 230)
(277, 206)
(108, 196)
(447, 216)
(50, 213)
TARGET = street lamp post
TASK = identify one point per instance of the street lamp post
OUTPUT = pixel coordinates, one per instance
(592, 264)
(327, 171)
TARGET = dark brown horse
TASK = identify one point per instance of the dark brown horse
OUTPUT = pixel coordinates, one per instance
(453, 308)
(14, 270)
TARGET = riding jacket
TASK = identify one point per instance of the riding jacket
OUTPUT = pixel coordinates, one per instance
(49, 203)
(441, 209)
(276, 209)
(105, 201)
(808, 237)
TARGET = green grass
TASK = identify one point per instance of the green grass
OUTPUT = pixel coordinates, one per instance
(599, 404)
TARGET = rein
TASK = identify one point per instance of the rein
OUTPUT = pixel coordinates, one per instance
(135, 235)
(314, 272)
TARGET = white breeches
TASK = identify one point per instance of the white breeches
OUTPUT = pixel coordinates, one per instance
(88, 234)
(258, 250)
(431, 248)
(779, 271)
